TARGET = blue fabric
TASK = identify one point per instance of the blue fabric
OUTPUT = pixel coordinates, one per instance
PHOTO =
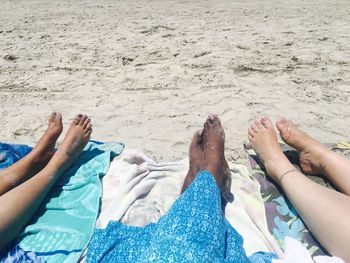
(18, 255)
(193, 230)
(11, 153)
(64, 223)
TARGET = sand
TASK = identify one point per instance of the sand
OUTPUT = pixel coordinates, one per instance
(149, 72)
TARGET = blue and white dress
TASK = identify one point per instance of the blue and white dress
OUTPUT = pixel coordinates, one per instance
(193, 230)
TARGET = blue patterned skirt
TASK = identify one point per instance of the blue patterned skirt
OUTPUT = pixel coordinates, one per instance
(193, 230)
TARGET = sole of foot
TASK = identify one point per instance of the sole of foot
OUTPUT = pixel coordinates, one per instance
(310, 151)
(45, 148)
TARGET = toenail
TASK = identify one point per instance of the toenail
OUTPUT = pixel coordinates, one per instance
(211, 117)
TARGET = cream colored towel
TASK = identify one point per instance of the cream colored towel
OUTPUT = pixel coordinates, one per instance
(138, 191)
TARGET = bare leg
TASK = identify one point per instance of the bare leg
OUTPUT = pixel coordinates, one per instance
(35, 160)
(196, 154)
(316, 158)
(19, 204)
(326, 212)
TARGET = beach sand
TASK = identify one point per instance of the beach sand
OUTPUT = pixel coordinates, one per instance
(148, 73)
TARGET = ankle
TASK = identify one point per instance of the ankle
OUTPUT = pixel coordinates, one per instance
(320, 155)
(323, 158)
(277, 167)
(192, 171)
(215, 172)
(59, 161)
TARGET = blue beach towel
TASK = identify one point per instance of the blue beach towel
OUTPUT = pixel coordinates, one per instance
(64, 223)
(193, 230)
(11, 153)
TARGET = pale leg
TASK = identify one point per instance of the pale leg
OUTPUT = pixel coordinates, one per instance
(326, 212)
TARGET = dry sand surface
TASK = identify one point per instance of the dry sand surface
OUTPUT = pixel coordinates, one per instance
(149, 72)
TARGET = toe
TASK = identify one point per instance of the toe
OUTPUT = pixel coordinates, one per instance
(52, 116)
(217, 121)
(259, 124)
(254, 127)
(251, 132)
(250, 137)
(281, 123)
(196, 140)
(77, 119)
(86, 123)
(200, 134)
(207, 123)
(59, 116)
(82, 120)
(214, 119)
(88, 127)
(88, 134)
(266, 122)
(205, 130)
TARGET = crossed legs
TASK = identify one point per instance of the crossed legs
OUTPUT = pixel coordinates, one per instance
(326, 212)
(25, 184)
(35, 160)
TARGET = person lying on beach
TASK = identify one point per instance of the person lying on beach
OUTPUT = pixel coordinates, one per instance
(326, 212)
(24, 185)
(195, 228)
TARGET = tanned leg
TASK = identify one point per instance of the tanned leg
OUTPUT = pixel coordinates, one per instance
(36, 159)
(19, 204)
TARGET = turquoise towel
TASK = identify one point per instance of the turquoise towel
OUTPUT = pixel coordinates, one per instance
(65, 222)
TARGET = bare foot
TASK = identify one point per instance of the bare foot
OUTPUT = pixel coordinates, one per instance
(196, 155)
(77, 136)
(214, 161)
(73, 144)
(310, 150)
(263, 138)
(37, 159)
(45, 148)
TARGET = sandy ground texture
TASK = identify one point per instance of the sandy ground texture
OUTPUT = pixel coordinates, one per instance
(149, 72)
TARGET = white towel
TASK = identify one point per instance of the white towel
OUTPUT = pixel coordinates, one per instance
(295, 252)
(138, 191)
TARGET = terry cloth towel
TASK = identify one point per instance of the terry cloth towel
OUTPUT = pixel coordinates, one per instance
(11, 153)
(282, 218)
(138, 191)
(193, 230)
(64, 223)
(18, 255)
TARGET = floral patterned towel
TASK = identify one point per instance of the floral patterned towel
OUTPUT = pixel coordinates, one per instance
(282, 218)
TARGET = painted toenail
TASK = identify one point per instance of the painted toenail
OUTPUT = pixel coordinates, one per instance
(212, 117)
